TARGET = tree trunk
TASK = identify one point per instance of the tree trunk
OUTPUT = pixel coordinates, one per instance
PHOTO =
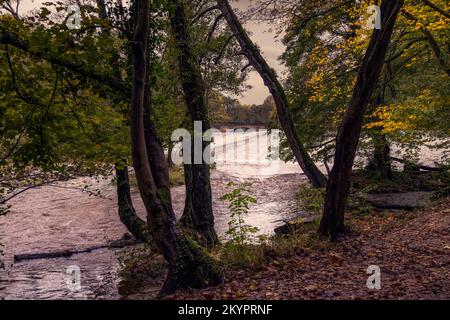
(155, 149)
(101, 7)
(381, 159)
(189, 265)
(188, 188)
(348, 136)
(135, 225)
(127, 214)
(200, 216)
(196, 215)
(269, 77)
(169, 155)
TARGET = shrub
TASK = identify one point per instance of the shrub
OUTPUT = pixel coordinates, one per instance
(242, 245)
(311, 199)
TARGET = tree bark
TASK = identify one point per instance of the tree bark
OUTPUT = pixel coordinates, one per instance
(155, 149)
(127, 214)
(135, 225)
(199, 216)
(338, 186)
(189, 265)
(381, 159)
(169, 155)
(101, 7)
(269, 77)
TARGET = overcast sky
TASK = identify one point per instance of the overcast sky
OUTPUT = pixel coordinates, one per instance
(260, 34)
(271, 49)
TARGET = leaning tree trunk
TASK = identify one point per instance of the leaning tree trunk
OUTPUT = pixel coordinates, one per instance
(200, 216)
(269, 77)
(338, 186)
(189, 265)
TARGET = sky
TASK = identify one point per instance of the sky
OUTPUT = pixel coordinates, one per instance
(260, 34)
(271, 49)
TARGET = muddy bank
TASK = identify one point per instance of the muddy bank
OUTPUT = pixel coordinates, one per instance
(50, 219)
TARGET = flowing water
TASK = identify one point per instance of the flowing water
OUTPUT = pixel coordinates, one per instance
(62, 217)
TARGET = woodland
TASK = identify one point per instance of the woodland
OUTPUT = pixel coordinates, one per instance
(362, 107)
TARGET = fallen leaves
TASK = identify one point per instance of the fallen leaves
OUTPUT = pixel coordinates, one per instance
(413, 257)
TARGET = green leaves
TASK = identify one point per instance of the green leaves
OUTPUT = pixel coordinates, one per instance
(240, 201)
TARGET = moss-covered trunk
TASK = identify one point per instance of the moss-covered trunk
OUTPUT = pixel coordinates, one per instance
(135, 225)
(189, 266)
(198, 214)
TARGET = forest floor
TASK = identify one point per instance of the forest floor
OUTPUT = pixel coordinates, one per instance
(412, 249)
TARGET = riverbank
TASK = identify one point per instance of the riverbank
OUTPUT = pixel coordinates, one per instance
(73, 228)
(412, 250)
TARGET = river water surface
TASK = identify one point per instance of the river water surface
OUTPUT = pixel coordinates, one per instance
(61, 217)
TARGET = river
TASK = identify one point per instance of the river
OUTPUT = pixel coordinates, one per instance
(61, 217)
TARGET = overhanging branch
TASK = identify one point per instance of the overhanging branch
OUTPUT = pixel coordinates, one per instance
(12, 39)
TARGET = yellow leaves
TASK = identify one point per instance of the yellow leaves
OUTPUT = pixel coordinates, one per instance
(316, 97)
(438, 25)
(386, 118)
(410, 115)
(319, 62)
(419, 26)
(427, 17)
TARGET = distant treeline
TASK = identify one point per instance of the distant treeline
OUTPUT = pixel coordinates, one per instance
(229, 110)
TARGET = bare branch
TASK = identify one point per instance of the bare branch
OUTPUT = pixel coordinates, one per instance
(222, 51)
(436, 8)
(246, 67)
(214, 27)
(204, 12)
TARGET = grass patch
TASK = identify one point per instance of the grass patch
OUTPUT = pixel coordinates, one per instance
(254, 256)
(176, 177)
(369, 182)
(311, 199)
(140, 262)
